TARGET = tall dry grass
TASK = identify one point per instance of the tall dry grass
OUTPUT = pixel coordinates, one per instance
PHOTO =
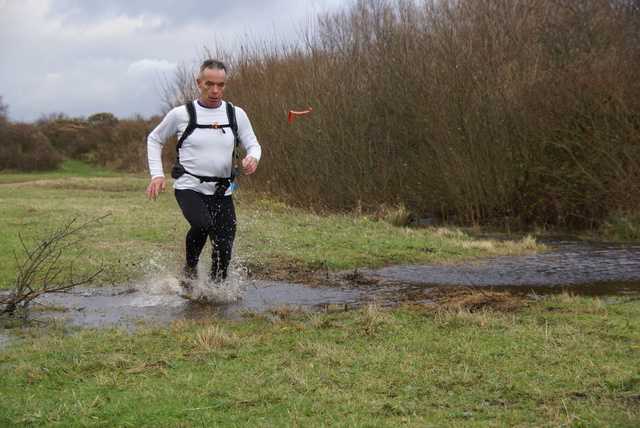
(479, 110)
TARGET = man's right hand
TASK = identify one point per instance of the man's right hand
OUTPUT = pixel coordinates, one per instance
(157, 186)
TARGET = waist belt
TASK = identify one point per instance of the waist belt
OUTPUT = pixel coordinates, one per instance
(223, 183)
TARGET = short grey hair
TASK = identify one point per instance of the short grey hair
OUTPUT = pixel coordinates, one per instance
(213, 64)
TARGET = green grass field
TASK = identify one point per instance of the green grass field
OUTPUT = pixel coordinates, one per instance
(562, 360)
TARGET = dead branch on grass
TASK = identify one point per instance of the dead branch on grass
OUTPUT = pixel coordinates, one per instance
(48, 267)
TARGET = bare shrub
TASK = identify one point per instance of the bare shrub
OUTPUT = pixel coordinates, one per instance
(70, 137)
(181, 89)
(471, 110)
(478, 110)
(125, 149)
(24, 148)
(48, 266)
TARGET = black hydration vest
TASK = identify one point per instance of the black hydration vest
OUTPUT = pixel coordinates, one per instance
(223, 182)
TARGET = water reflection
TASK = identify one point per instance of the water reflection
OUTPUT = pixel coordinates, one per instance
(587, 267)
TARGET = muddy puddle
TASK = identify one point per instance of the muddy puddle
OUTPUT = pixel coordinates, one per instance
(586, 267)
(148, 304)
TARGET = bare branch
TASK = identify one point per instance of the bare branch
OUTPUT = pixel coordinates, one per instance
(48, 268)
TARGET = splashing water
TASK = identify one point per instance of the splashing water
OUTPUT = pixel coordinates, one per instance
(162, 288)
(230, 290)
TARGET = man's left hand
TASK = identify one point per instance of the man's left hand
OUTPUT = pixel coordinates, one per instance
(249, 165)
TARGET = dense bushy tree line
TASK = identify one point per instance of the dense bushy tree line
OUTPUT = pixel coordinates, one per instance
(526, 110)
(481, 110)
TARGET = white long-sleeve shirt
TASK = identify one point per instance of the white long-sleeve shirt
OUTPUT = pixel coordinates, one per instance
(206, 152)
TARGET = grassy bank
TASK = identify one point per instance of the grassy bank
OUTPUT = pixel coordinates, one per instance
(139, 236)
(560, 361)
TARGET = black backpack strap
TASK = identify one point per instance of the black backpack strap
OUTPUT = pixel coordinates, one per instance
(231, 117)
(191, 109)
(192, 125)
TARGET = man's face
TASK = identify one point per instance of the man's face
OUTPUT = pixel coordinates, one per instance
(212, 85)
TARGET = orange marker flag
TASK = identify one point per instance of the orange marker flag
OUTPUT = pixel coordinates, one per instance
(291, 113)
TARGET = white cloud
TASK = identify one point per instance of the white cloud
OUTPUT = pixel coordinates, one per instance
(148, 67)
(85, 57)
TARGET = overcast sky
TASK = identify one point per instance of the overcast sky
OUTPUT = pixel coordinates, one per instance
(80, 57)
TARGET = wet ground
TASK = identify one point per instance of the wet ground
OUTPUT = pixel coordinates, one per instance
(586, 267)
(130, 307)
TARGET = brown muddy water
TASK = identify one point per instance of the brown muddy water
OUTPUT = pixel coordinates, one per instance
(584, 267)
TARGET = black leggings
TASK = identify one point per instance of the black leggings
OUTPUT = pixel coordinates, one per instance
(209, 217)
